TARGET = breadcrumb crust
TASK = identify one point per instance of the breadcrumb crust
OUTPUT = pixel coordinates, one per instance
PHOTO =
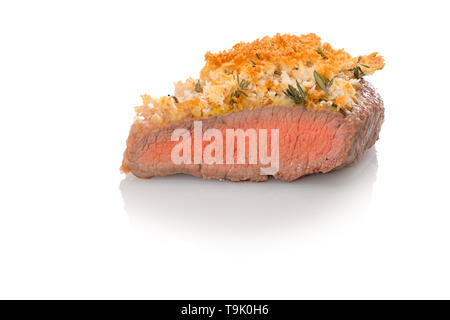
(268, 66)
(289, 50)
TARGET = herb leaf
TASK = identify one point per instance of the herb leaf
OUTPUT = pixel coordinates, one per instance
(296, 94)
(320, 81)
(330, 83)
(357, 71)
(242, 87)
(257, 55)
(300, 90)
(198, 87)
(320, 51)
(342, 111)
(323, 82)
(278, 73)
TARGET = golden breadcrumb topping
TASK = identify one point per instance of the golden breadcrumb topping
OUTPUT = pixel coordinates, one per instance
(284, 70)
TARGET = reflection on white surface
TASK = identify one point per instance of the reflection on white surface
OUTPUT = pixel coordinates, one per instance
(208, 208)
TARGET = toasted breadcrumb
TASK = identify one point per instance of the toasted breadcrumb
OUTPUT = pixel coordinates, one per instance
(266, 67)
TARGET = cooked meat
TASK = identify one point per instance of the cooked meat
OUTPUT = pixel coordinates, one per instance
(292, 92)
(310, 141)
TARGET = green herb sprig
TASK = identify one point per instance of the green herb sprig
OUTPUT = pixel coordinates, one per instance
(342, 111)
(359, 62)
(278, 73)
(242, 87)
(296, 94)
(323, 83)
(198, 87)
(320, 51)
(357, 71)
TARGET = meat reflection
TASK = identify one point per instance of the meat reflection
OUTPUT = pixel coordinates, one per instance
(194, 207)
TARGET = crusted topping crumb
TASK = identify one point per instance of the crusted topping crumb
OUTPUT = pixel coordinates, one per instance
(284, 70)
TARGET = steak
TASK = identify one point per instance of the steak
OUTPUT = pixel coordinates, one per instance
(310, 141)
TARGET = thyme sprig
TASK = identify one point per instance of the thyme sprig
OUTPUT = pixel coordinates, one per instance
(359, 62)
(357, 71)
(323, 83)
(198, 87)
(242, 87)
(320, 51)
(341, 110)
(296, 94)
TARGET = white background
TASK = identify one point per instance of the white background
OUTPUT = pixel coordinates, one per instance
(73, 226)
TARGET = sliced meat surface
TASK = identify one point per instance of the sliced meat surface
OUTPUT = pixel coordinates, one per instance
(310, 141)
